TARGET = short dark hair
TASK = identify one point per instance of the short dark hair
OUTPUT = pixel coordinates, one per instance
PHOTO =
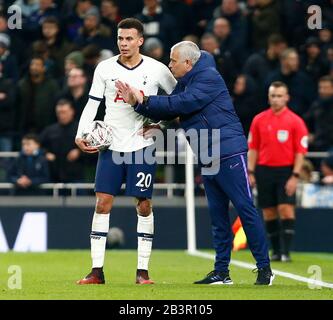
(275, 38)
(31, 136)
(279, 84)
(51, 19)
(326, 79)
(63, 102)
(37, 57)
(130, 23)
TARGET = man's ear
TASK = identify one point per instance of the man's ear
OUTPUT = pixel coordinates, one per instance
(141, 41)
(188, 64)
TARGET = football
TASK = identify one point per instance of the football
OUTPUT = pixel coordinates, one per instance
(98, 134)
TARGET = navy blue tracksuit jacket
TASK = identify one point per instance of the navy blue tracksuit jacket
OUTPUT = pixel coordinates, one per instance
(202, 101)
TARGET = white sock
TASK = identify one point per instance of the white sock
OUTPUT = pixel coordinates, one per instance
(99, 231)
(145, 231)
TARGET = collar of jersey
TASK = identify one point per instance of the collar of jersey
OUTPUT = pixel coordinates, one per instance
(128, 68)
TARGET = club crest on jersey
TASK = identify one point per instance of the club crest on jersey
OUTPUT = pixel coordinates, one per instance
(282, 135)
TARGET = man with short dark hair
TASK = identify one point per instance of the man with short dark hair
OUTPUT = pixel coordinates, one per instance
(277, 143)
(37, 95)
(300, 85)
(76, 90)
(320, 117)
(259, 64)
(30, 168)
(64, 157)
(149, 75)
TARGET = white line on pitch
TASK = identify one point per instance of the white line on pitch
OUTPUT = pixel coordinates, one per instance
(277, 272)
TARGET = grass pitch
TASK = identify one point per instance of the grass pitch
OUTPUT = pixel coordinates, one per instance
(52, 275)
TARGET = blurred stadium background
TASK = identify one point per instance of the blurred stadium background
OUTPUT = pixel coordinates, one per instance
(48, 64)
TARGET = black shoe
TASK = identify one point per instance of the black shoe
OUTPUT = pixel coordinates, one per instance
(275, 257)
(215, 277)
(285, 258)
(265, 276)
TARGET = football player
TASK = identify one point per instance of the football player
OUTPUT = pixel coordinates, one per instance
(148, 75)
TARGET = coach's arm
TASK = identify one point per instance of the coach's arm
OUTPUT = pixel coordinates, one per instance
(196, 96)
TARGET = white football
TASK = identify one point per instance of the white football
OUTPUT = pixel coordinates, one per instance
(98, 134)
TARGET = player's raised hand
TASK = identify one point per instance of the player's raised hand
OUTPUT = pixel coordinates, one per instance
(83, 145)
(130, 94)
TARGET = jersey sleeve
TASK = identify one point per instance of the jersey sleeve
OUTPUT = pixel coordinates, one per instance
(167, 82)
(301, 137)
(98, 85)
(254, 136)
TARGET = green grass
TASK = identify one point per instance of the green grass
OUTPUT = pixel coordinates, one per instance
(52, 275)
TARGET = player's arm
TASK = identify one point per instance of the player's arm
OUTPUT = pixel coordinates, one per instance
(300, 146)
(199, 94)
(88, 115)
(253, 154)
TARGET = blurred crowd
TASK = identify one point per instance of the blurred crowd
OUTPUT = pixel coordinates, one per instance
(46, 67)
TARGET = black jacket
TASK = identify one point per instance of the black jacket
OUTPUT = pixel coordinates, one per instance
(34, 167)
(59, 140)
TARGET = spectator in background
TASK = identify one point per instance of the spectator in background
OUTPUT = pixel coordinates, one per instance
(7, 112)
(93, 32)
(74, 21)
(265, 21)
(230, 10)
(58, 140)
(261, 63)
(73, 60)
(159, 24)
(183, 14)
(193, 38)
(30, 169)
(301, 88)
(28, 31)
(40, 49)
(76, 91)
(58, 47)
(245, 99)
(329, 57)
(313, 62)
(327, 170)
(110, 17)
(17, 46)
(293, 16)
(37, 95)
(227, 44)
(203, 10)
(33, 21)
(10, 68)
(325, 37)
(92, 55)
(319, 118)
(224, 62)
(153, 48)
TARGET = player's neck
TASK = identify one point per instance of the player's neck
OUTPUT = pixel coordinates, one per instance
(130, 61)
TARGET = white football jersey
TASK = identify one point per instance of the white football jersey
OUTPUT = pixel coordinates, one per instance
(148, 76)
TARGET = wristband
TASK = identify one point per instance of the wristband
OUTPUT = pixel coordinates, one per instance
(250, 172)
